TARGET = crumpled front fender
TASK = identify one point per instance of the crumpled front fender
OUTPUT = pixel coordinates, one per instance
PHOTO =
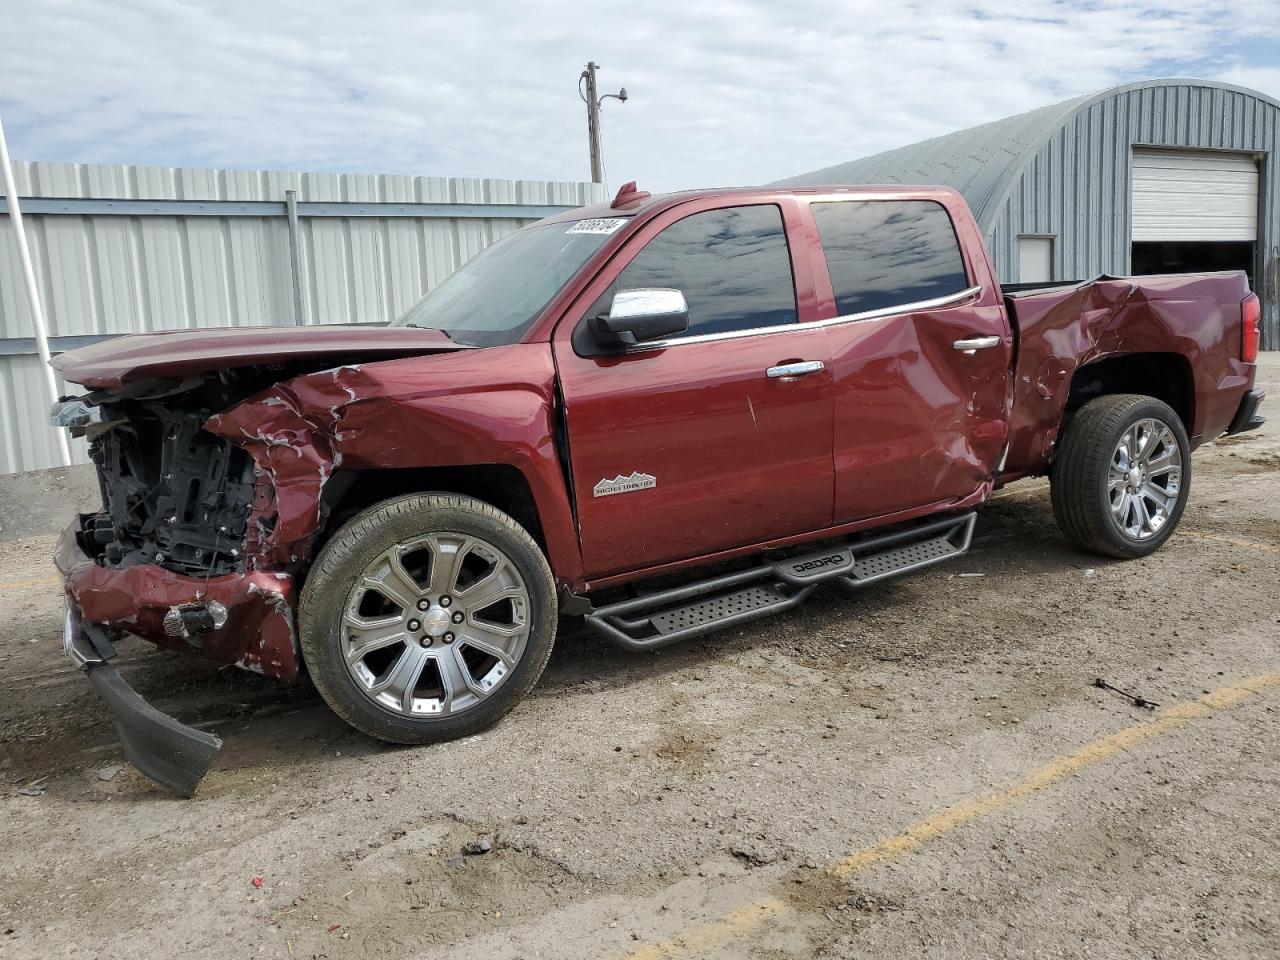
(492, 406)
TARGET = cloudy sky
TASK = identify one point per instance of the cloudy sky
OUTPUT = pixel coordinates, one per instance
(722, 92)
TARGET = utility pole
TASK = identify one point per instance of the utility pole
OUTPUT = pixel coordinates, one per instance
(594, 102)
(593, 123)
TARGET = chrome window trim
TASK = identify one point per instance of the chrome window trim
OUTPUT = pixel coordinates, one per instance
(937, 303)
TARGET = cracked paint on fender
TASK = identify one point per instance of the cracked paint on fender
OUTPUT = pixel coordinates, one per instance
(491, 406)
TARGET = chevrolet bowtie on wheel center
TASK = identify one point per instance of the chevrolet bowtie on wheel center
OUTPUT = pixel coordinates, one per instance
(664, 415)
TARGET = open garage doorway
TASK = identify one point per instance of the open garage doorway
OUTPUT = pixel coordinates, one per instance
(1193, 211)
(1182, 256)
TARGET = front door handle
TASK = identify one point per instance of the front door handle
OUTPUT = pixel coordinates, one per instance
(973, 344)
(793, 371)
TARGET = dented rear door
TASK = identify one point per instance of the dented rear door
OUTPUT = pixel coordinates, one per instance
(920, 349)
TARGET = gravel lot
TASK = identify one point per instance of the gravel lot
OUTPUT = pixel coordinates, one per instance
(925, 770)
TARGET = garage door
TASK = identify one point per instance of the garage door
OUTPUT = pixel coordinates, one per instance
(1194, 195)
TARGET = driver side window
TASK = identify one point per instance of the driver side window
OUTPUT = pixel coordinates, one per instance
(732, 265)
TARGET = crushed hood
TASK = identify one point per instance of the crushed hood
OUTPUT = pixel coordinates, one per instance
(184, 353)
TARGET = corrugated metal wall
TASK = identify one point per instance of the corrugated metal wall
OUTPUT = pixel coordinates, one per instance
(1077, 185)
(1064, 170)
(370, 245)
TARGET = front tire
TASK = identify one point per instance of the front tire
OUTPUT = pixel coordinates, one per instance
(1122, 475)
(427, 618)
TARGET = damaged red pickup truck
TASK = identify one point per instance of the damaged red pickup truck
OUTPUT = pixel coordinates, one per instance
(665, 415)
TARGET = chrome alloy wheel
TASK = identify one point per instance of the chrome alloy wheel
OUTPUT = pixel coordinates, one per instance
(1145, 479)
(435, 625)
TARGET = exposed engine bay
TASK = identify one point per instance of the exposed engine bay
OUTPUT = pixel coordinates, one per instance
(178, 493)
(174, 494)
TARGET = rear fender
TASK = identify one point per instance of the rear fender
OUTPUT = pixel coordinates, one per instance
(1196, 318)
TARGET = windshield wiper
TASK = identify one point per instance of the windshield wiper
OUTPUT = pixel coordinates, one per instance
(419, 326)
(448, 336)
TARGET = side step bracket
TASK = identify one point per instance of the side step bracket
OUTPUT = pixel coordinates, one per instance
(667, 616)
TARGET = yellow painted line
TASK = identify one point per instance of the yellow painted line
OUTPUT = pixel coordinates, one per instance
(697, 940)
(1052, 772)
(36, 582)
(1234, 541)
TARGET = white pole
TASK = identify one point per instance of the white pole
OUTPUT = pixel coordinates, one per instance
(33, 294)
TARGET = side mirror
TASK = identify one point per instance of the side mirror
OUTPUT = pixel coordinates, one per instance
(638, 316)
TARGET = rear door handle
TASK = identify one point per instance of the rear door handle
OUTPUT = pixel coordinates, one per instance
(793, 371)
(973, 344)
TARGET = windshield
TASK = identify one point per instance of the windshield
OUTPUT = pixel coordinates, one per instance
(494, 297)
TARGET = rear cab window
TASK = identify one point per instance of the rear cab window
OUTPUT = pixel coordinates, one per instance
(884, 254)
(732, 264)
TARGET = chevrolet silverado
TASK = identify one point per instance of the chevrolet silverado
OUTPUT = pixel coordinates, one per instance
(665, 414)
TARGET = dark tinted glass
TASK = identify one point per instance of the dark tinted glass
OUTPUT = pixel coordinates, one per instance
(731, 264)
(886, 253)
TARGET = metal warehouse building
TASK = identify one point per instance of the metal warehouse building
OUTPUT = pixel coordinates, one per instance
(1153, 177)
(134, 249)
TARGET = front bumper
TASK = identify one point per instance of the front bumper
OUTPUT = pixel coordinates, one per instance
(170, 753)
(1247, 417)
(254, 626)
(243, 618)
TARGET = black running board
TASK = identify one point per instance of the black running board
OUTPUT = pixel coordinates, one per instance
(669, 616)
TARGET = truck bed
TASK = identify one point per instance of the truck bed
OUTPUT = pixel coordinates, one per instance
(1061, 327)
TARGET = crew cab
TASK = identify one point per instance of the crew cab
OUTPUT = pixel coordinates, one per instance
(664, 414)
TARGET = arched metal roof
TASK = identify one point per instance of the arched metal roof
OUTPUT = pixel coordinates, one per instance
(983, 162)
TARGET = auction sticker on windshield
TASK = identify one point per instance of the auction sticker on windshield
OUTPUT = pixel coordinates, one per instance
(606, 226)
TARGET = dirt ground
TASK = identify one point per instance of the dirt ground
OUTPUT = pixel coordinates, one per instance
(924, 770)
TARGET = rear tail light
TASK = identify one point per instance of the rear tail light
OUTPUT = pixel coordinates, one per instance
(1250, 328)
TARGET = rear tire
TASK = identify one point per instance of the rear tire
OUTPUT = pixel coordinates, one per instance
(1122, 475)
(427, 618)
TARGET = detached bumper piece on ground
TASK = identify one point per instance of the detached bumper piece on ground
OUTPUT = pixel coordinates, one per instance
(657, 619)
(169, 752)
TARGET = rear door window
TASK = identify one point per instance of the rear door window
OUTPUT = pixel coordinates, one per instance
(889, 253)
(732, 265)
